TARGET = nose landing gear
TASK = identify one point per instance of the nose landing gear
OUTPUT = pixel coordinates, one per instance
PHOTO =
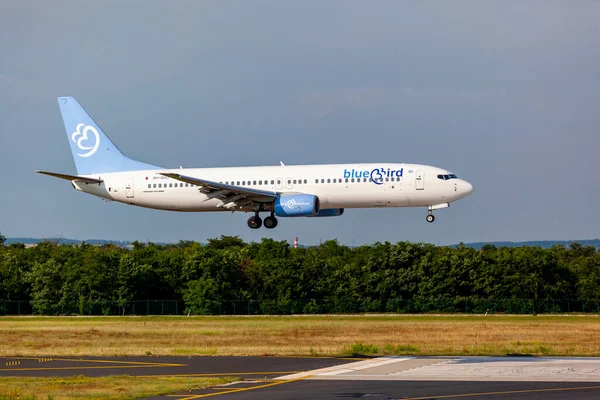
(430, 218)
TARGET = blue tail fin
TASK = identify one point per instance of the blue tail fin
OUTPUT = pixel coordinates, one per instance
(92, 150)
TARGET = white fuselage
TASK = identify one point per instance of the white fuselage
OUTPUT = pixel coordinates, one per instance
(337, 186)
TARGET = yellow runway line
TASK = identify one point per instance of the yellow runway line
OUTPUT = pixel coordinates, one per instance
(200, 396)
(76, 368)
(157, 364)
(219, 374)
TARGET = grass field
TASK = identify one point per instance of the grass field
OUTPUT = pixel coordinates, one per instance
(109, 387)
(301, 336)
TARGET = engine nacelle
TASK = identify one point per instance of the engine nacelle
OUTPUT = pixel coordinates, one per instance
(330, 212)
(297, 205)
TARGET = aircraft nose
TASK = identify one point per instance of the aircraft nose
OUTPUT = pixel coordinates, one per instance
(466, 187)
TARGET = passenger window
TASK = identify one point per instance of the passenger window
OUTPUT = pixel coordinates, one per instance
(186, 185)
(328, 180)
(364, 179)
(289, 181)
(316, 181)
(154, 185)
(260, 182)
(387, 179)
(278, 182)
(305, 181)
(352, 180)
(322, 180)
(149, 186)
(243, 183)
(294, 181)
(272, 182)
(346, 180)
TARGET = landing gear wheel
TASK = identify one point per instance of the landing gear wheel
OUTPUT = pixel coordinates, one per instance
(270, 222)
(254, 222)
(430, 218)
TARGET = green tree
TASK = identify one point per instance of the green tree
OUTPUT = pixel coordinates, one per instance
(200, 296)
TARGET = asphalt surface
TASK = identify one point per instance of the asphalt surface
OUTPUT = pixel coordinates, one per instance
(391, 390)
(257, 375)
(245, 367)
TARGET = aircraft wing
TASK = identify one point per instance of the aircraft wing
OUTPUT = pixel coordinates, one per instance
(231, 196)
(71, 177)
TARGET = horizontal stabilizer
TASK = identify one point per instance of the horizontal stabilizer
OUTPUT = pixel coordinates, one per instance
(71, 177)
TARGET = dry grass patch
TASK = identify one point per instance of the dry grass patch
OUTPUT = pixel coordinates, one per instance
(321, 335)
(109, 387)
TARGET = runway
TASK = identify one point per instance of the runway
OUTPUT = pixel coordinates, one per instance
(245, 367)
(383, 378)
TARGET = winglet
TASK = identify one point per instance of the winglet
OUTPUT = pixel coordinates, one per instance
(282, 164)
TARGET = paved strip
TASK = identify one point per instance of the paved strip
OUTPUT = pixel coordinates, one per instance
(251, 367)
(503, 369)
(394, 390)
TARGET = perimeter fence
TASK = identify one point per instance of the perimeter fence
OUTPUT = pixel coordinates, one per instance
(312, 306)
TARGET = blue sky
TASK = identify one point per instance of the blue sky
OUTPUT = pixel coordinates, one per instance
(504, 94)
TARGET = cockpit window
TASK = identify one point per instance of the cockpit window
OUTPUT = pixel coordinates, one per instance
(446, 177)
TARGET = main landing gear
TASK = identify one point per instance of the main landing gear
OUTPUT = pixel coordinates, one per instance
(430, 217)
(255, 222)
(270, 222)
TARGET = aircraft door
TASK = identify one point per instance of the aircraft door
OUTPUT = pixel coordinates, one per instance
(288, 183)
(420, 180)
(129, 189)
(279, 183)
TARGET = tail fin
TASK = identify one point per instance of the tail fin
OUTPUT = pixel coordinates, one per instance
(92, 150)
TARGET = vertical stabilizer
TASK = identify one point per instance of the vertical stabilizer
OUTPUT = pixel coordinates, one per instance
(92, 150)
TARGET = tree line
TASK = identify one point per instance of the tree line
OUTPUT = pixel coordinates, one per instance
(50, 276)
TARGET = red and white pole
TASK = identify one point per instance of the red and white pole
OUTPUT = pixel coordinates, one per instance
(295, 242)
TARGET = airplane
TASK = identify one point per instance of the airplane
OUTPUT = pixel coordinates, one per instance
(282, 191)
